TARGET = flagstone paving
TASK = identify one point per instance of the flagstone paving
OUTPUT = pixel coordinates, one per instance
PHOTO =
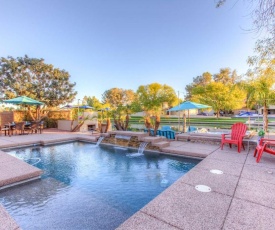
(241, 198)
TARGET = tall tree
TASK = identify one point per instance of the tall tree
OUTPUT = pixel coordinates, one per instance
(225, 76)
(120, 101)
(221, 92)
(151, 98)
(202, 80)
(262, 74)
(93, 102)
(24, 76)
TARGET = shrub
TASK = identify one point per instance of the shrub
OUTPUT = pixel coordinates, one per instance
(50, 123)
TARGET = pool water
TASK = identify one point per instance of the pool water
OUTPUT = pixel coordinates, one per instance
(89, 187)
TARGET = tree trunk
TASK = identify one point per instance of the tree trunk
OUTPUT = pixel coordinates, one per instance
(184, 123)
(99, 126)
(218, 114)
(108, 124)
(148, 124)
(127, 121)
(122, 125)
(117, 124)
(265, 118)
(72, 122)
(29, 113)
(37, 112)
(77, 128)
(157, 123)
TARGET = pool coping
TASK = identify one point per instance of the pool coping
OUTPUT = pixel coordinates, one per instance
(230, 204)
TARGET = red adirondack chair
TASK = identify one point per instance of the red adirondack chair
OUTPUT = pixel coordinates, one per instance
(236, 136)
(265, 145)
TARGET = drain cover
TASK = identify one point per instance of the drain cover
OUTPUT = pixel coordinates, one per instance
(216, 171)
(203, 188)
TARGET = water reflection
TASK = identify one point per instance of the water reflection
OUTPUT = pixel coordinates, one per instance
(33, 195)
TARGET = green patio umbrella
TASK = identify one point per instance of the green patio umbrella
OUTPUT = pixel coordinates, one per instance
(23, 101)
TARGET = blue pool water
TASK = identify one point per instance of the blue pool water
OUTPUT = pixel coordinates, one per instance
(88, 187)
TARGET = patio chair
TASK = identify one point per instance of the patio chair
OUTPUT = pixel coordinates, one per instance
(150, 130)
(40, 126)
(236, 136)
(166, 128)
(32, 127)
(265, 145)
(20, 127)
(170, 134)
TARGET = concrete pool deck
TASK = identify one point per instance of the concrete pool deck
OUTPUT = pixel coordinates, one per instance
(241, 198)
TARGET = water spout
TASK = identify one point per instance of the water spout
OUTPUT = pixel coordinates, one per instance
(99, 141)
(141, 149)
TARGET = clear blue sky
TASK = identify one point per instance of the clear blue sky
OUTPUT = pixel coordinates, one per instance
(128, 43)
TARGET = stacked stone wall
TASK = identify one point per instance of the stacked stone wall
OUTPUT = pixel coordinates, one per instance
(133, 142)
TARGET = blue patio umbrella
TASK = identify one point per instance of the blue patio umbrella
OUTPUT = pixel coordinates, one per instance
(187, 105)
(76, 106)
(85, 107)
(68, 107)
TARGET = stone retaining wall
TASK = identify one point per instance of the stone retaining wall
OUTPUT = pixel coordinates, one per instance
(127, 139)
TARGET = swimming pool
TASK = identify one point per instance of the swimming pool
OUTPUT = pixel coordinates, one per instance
(89, 187)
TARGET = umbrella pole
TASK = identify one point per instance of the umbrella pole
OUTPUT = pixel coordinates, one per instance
(178, 120)
(184, 122)
(188, 121)
(78, 111)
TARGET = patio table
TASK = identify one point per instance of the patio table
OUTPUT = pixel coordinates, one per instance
(8, 128)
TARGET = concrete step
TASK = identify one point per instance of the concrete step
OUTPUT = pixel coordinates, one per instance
(105, 134)
(152, 139)
(161, 144)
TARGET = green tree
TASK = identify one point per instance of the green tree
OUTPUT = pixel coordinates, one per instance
(151, 98)
(225, 76)
(249, 87)
(93, 102)
(24, 76)
(120, 101)
(221, 93)
(262, 74)
(202, 80)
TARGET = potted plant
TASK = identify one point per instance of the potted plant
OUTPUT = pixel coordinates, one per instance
(261, 134)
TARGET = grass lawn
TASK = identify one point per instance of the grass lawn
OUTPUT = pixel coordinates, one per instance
(207, 122)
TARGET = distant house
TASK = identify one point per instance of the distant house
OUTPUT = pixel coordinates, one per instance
(172, 113)
(243, 110)
(175, 113)
(270, 110)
